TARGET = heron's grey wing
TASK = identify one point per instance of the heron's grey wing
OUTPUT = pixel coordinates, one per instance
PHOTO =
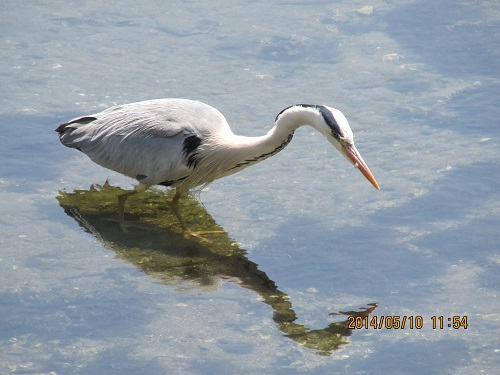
(140, 141)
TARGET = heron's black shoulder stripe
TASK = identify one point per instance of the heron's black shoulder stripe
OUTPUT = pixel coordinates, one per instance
(189, 149)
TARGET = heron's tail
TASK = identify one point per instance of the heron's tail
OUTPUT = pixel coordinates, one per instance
(79, 121)
(69, 134)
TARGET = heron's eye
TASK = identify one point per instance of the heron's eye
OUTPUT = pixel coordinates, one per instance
(338, 137)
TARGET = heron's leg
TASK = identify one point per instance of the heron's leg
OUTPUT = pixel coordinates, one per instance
(174, 206)
(121, 204)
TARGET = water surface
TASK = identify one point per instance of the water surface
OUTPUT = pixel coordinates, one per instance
(308, 239)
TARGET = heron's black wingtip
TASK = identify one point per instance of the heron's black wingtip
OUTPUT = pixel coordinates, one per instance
(81, 120)
(61, 128)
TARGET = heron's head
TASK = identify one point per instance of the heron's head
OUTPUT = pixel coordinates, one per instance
(334, 126)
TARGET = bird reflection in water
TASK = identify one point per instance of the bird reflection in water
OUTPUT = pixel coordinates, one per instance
(154, 242)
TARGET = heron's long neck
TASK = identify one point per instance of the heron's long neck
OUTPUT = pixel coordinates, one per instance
(226, 153)
(240, 152)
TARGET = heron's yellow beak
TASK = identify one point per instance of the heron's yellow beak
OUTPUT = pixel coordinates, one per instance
(354, 156)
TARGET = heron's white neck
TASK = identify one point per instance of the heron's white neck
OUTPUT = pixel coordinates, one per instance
(278, 137)
(229, 153)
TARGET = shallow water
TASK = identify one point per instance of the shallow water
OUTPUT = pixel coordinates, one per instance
(418, 81)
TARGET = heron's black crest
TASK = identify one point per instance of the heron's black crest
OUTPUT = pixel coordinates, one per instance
(315, 106)
(330, 120)
(189, 149)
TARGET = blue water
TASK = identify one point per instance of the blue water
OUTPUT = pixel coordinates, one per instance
(418, 81)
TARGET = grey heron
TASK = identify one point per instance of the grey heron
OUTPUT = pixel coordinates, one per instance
(183, 144)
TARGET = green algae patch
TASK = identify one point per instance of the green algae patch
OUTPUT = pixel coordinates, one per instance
(152, 239)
